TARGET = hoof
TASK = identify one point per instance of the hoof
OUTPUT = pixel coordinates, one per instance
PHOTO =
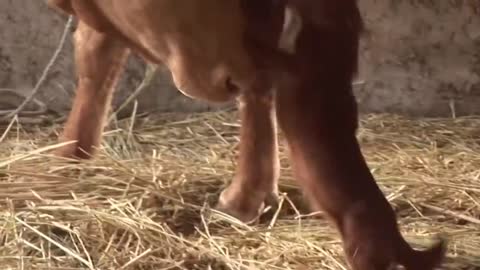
(245, 207)
(71, 152)
(272, 199)
(246, 216)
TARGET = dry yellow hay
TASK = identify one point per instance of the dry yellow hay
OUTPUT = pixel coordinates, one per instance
(143, 203)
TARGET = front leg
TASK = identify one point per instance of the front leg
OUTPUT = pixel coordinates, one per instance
(99, 61)
(256, 179)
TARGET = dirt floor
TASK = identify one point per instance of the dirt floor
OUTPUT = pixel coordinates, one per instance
(144, 202)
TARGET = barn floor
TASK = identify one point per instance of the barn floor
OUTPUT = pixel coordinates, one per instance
(143, 203)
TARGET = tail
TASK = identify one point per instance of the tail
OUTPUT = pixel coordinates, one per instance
(422, 260)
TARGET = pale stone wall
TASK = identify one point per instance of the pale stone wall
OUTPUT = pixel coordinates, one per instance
(418, 58)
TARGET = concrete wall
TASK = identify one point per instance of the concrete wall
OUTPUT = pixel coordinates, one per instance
(419, 57)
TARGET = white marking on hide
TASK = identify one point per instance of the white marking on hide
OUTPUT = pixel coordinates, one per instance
(292, 26)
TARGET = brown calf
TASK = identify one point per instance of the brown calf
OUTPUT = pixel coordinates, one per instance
(287, 60)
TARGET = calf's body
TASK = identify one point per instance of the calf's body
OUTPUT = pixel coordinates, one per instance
(290, 61)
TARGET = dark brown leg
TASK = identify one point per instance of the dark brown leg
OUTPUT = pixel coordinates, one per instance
(320, 125)
(258, 167)
(99, 61)
(317, 112)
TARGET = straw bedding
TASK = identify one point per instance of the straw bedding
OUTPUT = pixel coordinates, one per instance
(144, 201)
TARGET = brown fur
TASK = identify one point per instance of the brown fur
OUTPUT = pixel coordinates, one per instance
(222, 49)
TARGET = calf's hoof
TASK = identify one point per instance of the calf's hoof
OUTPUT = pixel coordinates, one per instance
(71, 151)
(245, 206)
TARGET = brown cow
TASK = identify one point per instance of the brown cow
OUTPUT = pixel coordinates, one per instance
(290, 60)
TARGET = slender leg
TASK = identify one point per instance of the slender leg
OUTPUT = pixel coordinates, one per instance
(99, 61)
(319, 125)
(258, 168)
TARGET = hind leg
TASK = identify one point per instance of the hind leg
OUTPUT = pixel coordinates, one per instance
(328, 163)
(333, 175)
(258, 167)
(99, 61)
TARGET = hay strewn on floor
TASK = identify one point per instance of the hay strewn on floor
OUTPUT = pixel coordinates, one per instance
(143, 203)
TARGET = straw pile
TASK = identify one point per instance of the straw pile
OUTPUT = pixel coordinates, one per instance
(144, 202)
